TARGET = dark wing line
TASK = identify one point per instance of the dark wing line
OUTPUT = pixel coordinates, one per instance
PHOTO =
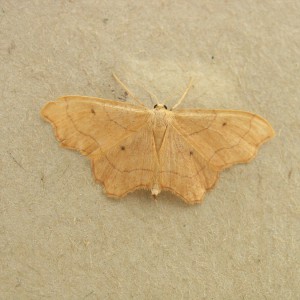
(226, 165)
(185, 137)
(82, 151)
(181, 153)
(125, 171)
(195, 112)
(197, 165)
(118, 142)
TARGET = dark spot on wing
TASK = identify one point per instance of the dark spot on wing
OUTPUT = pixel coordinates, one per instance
(224, 124)
(191, 153)
(92, 111)
(122, 148)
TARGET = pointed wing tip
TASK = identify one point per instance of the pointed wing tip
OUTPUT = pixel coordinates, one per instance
(270, 128)
(48, 105)
(44, 111)
(272, 132)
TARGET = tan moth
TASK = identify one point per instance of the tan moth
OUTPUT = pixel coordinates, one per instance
(133, 147)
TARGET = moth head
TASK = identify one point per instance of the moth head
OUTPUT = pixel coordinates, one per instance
(160, 106)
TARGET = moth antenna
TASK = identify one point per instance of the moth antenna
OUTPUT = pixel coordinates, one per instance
(184, 94)
(151, 94)
(127, 90)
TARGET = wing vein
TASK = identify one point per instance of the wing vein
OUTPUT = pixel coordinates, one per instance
(88, 135)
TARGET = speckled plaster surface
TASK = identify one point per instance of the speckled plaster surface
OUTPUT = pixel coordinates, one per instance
(62, 238)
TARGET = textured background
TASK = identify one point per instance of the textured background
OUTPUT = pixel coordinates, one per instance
(61, 237)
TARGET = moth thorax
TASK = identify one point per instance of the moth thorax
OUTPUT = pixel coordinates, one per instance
(161, 118)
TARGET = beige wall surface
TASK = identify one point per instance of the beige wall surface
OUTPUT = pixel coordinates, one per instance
(61, 237)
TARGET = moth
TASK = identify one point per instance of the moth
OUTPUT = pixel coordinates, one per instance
(133, 147)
